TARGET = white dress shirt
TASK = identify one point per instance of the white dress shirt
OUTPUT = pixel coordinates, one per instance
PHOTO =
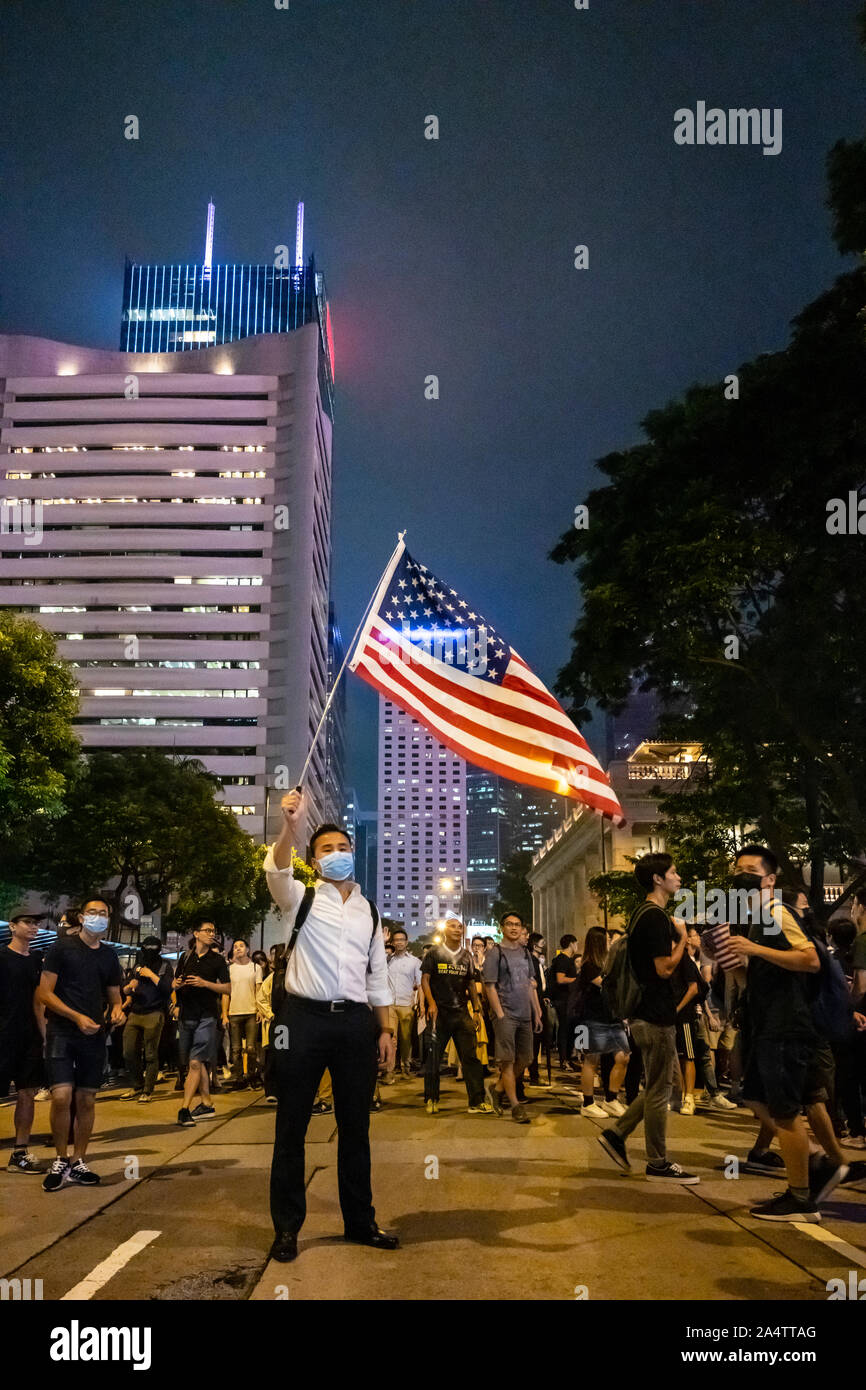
(404, 972)
(334, 956)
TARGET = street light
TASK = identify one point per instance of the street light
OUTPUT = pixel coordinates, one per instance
(448, 885)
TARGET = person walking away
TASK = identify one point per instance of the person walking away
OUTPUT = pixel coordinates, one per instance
(603, 1035)
(562, 975)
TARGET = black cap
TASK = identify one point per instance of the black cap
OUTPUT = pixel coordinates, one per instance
(18, 912)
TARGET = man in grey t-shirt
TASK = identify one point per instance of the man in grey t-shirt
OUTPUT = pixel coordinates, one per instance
(509, 981)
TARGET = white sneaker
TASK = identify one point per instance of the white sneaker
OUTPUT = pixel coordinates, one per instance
(43, 1094)
(688, 1105)
(613, 1107)
(595, 1111)
(720, 1102)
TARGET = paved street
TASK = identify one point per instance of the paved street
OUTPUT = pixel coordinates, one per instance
(516, 1212)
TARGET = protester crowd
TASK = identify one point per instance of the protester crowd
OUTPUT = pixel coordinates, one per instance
(759, 1013)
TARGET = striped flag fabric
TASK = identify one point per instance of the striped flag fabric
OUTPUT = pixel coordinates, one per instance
(424, 646)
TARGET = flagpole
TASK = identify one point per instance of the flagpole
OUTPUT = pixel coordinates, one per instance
(349, 651)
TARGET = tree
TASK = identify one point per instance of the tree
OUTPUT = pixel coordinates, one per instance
(618, 891)
(515, 894)
(142, 817)
(38, 749)
(712, 574)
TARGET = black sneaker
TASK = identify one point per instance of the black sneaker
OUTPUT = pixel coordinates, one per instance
(322, 1107)
(82, 1175)
(770, 1165)
(856, 1173)
(204, 1112)
(824, 1175)
(670, 1172)
(614, 1146)
(185, 1118)
(785, 1207)
(57, 1175)
(495, 1099)
(20, 1161)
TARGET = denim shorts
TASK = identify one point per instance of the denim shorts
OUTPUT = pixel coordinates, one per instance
(75, 1059)
(197, 1040)
(602, 1038)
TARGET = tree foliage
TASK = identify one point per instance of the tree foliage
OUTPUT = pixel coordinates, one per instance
(515, 894)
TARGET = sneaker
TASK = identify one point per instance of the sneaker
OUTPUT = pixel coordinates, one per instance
(614, 1146)
(688, 1105)
(856, 1141)
(719, 1102)
(43, 1094)
(131, 1095)
(57, 1175)
(204, 1112)
(785, 1207)
(271, 1100)
(82, 1175)
(520, 1115)
(613, 1107)
(20, 1161)
(771, 1165)
(322, 1107)
(178, 1085)
(375, 1107)
(594, 1110)
(670, 1172)
(824, 1175)
(485, 1108)
(856, 1173)
(145, 1097)
(184, 1117)
(494, 1099)
(428, 1106)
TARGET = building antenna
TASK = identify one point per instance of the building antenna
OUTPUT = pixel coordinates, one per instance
(299, 237)
(208, 244)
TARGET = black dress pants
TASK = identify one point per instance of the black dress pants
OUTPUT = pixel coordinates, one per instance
(344, 1042)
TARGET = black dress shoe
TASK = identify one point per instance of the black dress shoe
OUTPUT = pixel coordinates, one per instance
(285, 1247)
(372, 1235)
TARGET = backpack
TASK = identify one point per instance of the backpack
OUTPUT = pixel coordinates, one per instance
(830, 1004)
(527, 953)
(278, 988)
(621, 988)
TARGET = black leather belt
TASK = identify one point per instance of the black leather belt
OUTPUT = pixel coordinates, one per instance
(324, 1006)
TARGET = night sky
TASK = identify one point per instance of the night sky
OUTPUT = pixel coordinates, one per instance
(452, 257)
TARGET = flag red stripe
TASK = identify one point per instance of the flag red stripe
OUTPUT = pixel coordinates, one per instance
(607, 806)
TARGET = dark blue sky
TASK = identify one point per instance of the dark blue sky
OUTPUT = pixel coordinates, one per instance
(452, 257)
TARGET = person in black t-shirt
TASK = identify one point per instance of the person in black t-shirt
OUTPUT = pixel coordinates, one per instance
(449, 980)
(80, 978)
(655, 948)
(22, 1022)
(201, 978)
(562, 973)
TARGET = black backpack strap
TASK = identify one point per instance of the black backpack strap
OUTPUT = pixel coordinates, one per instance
(375, 915)
(301, 916)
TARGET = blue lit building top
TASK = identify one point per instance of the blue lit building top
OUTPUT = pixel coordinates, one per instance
(178, 308)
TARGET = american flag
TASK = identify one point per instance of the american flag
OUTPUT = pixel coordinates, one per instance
(424, 646)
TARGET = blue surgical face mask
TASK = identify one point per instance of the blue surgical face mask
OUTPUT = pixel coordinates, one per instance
(340, 865)
(91, 921)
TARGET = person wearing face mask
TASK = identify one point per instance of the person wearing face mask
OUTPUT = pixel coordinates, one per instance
(22, 1025)
(80, 978)
(149, 993)
(336, 1014)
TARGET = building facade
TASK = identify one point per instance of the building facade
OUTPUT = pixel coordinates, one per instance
(422, 823)
(180, 510)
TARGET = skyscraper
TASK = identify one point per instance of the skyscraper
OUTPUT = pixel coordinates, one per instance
(334, 733)
(422, 823)
(492, 820)
(183, 552)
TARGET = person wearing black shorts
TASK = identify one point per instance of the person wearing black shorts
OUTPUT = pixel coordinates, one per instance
(21, 1027)
(81, 976)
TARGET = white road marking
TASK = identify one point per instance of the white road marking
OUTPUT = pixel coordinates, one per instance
(841, 1246)
(109, 1267)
